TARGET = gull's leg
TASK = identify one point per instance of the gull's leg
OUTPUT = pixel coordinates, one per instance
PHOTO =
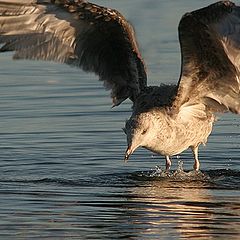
(168, 162)
(195, 154)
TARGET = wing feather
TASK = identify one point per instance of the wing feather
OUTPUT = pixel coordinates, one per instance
(210, 46)
(79, 33)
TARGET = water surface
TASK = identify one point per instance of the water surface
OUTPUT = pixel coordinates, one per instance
(62, 147)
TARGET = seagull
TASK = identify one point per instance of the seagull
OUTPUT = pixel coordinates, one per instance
(166, 119)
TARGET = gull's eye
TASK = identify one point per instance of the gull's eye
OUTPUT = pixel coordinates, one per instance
(143, 132)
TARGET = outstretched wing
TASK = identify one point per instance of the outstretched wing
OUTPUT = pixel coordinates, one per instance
(210, 46)
(76, 32)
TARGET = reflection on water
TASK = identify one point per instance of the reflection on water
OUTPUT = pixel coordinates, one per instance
(125, 205)
(187, 209)
(62, 174)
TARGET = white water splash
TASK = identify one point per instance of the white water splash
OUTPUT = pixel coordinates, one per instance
(178, 175)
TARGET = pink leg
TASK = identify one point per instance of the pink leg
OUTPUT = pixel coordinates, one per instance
(196, 165)
(168, 162)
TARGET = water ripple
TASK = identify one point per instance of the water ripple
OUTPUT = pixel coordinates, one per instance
(219, 179)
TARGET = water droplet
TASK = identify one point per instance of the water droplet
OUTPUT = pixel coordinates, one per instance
(180, 166)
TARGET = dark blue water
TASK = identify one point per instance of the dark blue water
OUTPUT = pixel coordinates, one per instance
(62, 173)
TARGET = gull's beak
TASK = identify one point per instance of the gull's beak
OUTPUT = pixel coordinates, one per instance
(128, 152)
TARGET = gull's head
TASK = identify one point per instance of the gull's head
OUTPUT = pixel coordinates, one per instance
(139, 131)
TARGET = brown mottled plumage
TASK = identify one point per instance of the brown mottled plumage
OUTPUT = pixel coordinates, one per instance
(166, 119)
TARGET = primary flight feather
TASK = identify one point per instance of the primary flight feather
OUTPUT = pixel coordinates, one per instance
(166, 119)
